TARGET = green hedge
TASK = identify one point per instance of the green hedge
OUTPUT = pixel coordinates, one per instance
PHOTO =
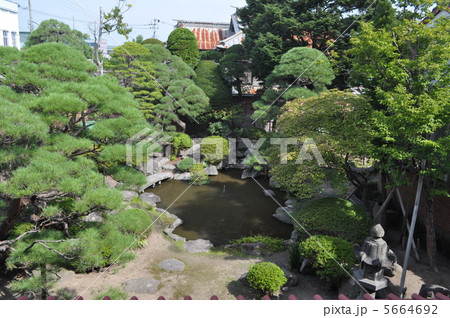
(267, 278)
(208, 149)
(327, 254)
(335, 217)
(186, 164)
(181, 141)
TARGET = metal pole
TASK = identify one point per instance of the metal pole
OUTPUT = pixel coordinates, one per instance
(411, 232)
(31, 16)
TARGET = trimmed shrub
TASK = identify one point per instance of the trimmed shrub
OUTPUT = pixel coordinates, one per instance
(152, 41)
(331, 257)
(133, 221)
(335, 217)
(214, 149)
(181, 141)
(267, 278)
(198, 175)
(182, 42)
(186, 164)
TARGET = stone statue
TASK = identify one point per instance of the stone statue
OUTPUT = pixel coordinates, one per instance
(376, 260)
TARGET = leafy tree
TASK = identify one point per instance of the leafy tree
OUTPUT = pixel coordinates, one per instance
(331, 120)
(139, 39)
(405, 71)
(209, 80)
(211, 55)
(232, 66)
(56, 31)
(275, 27)
(302, 72)
(183, 99)
(384, 15)
(152, 41)
(182, 43)
(137, 75)
(109, 22)
(61, 127)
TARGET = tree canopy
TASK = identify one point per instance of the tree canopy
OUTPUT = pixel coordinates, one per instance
(182, 43)
(209, 80)
(56, 31)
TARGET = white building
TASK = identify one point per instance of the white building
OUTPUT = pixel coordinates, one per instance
(9, 24)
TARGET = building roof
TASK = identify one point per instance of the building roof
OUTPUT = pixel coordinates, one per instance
(208, 34)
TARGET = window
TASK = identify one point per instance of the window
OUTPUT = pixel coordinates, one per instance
(14, 39)
(5, 38)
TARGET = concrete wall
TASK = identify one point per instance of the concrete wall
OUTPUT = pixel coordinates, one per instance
(9, 24)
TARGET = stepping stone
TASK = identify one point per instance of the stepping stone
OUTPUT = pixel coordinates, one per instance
(197, 246)
(141, 285)
(283, 218)
(172, 265)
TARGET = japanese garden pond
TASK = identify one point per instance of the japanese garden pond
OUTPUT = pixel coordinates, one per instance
(226, 208)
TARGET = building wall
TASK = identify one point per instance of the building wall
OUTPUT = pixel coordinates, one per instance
(9, 24)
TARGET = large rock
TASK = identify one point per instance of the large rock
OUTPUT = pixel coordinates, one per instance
(291, 278)
(172, 265)
(94, 217)
(110, 182)
(269, 193)
(141, 285)
(129, 195)
(283, 218)
(284, 209)
(148, 198)
(211, 171)
(290, 202)
(151, 196)
(186, 176)
(197, 246)
(168, 167)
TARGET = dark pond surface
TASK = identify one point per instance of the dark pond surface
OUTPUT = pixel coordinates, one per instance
(225, 208)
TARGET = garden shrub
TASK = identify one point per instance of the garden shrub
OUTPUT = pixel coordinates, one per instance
(181, 141)
(198, 175)
(326, 262)
(210, 149)
(186, 164)
(133, 221)
(335, 217)
(266, 278)
(273, 244)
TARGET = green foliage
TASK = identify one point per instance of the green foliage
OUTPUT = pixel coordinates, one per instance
(332, 257)
(133, 221)
(56, 31)
(211, 55)
(152, 41)
(336, 217)
(198, 175)
(182, 42)
(128, 176)
(273, 244)
(20, 228)
(214, 149)
(232, 66)
(266, 278)
(186, 164)
(209, 80)
(128, 64)
(114, 293)
(181, 141)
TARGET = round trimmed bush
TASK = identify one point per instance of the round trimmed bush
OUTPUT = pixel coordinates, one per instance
(186, 164)
(266, 277)
(210, 149)
(332, 257)
(335, 217)
(181, 141)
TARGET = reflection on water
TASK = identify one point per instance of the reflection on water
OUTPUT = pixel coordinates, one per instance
(225, 208)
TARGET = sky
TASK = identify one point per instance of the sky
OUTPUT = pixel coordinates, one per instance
(83, 13)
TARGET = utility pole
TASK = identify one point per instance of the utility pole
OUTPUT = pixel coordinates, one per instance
(31, 16)
(154, 27)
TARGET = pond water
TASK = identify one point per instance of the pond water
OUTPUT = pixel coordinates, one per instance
(225, 208)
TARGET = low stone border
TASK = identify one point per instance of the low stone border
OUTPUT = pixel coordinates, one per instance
(176, 223)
